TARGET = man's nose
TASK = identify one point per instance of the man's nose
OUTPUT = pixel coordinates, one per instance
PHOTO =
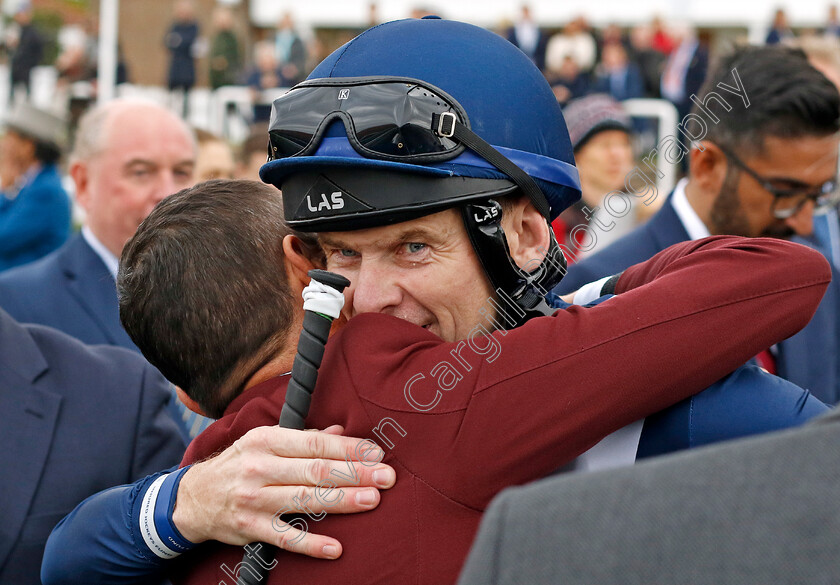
(374, 289)
(165, 186)
(802, 222)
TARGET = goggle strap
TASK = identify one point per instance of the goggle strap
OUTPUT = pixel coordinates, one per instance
(478, 145)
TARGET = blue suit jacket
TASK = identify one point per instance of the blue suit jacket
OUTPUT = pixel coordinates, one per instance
(73, 420)
(36, 222)
(72, 291)
(809, 359)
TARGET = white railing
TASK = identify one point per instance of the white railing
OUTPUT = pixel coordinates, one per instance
(665, 114)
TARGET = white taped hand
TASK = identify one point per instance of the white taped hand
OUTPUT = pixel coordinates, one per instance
(322, 299)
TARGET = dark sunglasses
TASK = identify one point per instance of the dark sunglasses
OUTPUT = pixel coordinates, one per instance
(788, 202)
(386, 118)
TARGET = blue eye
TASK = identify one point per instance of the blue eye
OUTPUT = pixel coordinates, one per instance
(415, 247)
(347, 253)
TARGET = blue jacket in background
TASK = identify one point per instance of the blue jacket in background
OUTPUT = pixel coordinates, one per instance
(36, 221)
(73, 291)
(70, 290)
(74, 420)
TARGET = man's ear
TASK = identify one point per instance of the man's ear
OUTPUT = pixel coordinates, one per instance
(296, 263)
(527, 233)
(708, 167)
(189, 402)
(81, 177)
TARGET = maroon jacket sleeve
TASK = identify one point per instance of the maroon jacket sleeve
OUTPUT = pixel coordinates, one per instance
(557, 385)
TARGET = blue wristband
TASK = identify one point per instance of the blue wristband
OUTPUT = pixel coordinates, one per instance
(156, 526)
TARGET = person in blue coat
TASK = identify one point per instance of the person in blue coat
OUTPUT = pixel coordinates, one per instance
(34, 207)
(766, 160)
(74, 420)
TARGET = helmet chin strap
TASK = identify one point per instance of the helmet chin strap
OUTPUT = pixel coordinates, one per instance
(526, 290)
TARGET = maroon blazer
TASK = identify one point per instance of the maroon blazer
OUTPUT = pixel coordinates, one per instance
(518, 405)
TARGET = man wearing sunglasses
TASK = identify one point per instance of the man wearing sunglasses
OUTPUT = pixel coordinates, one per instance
(762, 170)
(388, 157)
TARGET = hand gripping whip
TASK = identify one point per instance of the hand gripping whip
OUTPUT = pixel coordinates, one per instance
(322, 302)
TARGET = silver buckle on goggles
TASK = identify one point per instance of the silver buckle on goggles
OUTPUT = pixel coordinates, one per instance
(446, 125)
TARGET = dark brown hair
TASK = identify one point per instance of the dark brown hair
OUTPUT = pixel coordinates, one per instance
(202, 287)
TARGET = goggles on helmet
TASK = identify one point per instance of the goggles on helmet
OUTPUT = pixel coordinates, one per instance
(385, 118)
(388, 118)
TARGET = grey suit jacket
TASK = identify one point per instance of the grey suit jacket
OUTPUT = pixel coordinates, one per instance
(762, 510)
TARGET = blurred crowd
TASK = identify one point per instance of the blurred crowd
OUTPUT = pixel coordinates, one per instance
(591, 70)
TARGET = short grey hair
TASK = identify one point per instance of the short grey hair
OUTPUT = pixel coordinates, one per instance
(91, 131)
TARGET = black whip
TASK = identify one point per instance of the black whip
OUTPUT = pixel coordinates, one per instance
(310, 352)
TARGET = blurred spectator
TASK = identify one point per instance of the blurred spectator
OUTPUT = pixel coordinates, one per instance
(661, 41)
(617, 76)
(34, 208)
(685, 70)
(27, 49)
(574, 41)
(526, 35)
(92, 50)
(599, 129)
(225, 55)
(650, 61)
(179, 41)
(766, 161)
(128, 155)
(611, 34)
(214, 159)
(780, 30)
(72, 65)
(253, 153)
(266, 74)
(832, 26)
(568, 83)
(373, 15)
(290, 51)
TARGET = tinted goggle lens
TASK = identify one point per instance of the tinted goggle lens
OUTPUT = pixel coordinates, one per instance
(386, 119)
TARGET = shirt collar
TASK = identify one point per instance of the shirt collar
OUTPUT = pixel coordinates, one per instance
(111, 262)
(688, 217)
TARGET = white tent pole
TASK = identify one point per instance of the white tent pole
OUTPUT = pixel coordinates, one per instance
(107, 58)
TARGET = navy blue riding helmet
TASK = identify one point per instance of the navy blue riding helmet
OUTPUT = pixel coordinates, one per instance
(415, 116)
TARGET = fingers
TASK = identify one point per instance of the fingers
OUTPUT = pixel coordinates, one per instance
(295, 540)
(326, 472)
(316, 502)
(272, 471)
(293, 534)
(294, 443)
(334, 430)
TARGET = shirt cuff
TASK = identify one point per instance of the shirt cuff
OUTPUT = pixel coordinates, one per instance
(589, 292)
(156, 525)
